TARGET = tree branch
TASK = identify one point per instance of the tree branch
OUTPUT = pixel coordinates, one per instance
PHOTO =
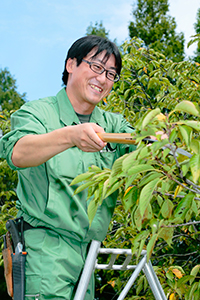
(184, 224)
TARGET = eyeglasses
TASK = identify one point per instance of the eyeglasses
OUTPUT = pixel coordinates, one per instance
(99, 69)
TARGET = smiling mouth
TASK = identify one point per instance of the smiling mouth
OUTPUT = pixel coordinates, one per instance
(96, 88)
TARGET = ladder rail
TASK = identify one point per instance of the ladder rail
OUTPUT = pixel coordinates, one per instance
(87, 270)
(91, 264)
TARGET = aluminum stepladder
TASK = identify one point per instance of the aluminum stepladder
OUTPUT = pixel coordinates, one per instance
(91, 263)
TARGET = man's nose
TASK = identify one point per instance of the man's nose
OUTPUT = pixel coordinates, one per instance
(102, 77)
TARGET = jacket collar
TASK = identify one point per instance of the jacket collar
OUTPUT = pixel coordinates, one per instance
(68, 115)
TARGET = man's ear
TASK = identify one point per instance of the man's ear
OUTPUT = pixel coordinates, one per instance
(71, 63)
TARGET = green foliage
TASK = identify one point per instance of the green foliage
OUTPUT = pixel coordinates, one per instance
(159, 183)
(149, 80)
(8, 183)
(10, 99)
(157, 29)
(97, 29)
(197, 30)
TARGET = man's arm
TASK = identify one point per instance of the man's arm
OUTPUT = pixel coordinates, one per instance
(33, 150)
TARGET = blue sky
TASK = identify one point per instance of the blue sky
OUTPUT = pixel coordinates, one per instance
(36, 34)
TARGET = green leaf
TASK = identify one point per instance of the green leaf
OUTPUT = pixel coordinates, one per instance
(186, 133)
(143, 153)
(185, 168)
(92, 209)
(159, 200)
(166, 234)
(167, 208)
(194, 124)
(194, 273)
(146, 195)
(114, 187)
(121, 89)
(195, 146)
(183, 280)
(187, 107)
(170, 275)
(183, 206)
(83, 187)
(166, 152)
(95, 169)
(105, 187)
(150, 116)
(81, 178)
(116, 169)
(194, 207)
(195, 38)
(149, 177)
(158, 145)
(173, 135)
(195, 167)
(153, 82)
(129, 180)
(130, 198)
(192, 290)
(154, 225)
(137, 218)
(142, 243)
(140, 169)
(129, 160)
(148, 213)
(150, 245)
(141, 236)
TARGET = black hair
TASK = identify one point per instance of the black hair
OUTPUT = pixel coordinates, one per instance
(84, 45)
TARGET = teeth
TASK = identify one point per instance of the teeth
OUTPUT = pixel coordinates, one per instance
(96, 88)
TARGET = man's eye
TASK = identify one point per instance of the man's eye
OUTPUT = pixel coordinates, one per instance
(111, 75)
(97, 67)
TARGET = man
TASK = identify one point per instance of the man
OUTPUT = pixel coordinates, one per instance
(51, 142)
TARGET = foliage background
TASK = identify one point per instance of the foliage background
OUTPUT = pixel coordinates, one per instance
(10, 100)
(157, 29)
(158, 204)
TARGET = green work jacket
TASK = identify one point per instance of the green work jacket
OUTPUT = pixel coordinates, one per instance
(45, 197)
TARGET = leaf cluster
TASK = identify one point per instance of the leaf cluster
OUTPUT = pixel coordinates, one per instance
(152, 23)
(10, 99)
(149, 80)
(159, 183)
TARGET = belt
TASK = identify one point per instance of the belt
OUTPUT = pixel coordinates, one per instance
(27, 226)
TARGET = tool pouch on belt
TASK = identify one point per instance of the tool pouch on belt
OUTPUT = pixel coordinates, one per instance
(7, 259)
(14, 259)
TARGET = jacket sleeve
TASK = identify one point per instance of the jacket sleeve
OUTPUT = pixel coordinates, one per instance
(23, 122)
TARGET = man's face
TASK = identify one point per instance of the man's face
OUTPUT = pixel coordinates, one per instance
(85, 88)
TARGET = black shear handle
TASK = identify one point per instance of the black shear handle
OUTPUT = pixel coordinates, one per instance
(12, 228)
(18, 271)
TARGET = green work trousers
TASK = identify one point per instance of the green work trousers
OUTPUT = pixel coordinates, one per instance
(53, 266)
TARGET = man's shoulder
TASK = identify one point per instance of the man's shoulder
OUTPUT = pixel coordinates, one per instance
(42, 105)
(46, 101)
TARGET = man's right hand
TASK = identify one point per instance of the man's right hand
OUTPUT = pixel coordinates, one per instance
(85, 137)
